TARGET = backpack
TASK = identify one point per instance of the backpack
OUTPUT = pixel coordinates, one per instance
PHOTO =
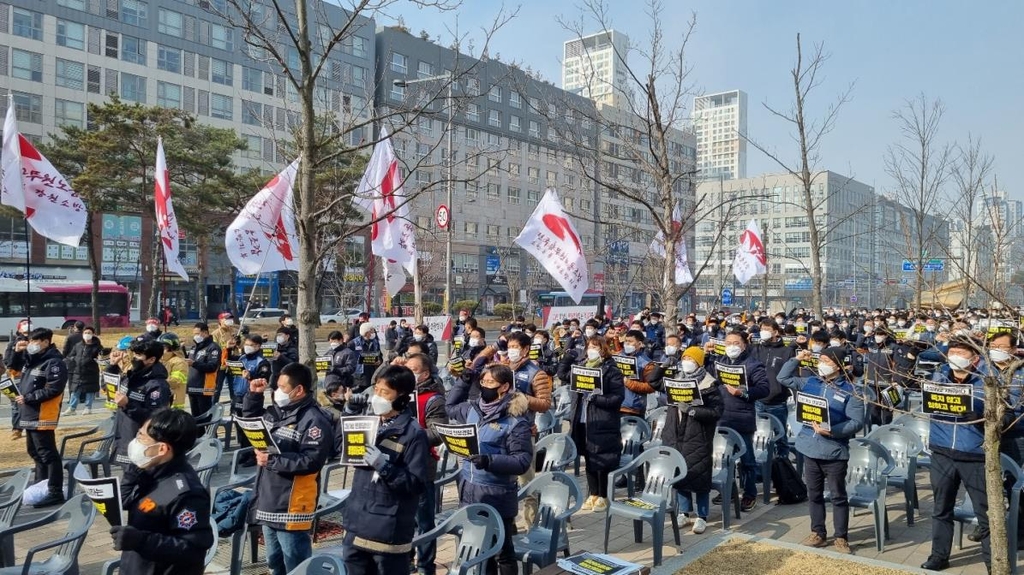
(789, 488)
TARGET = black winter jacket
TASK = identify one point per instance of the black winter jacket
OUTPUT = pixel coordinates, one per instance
(773, 354)
(202, 373)
(83, 371)
(43, 379)
(693, 435)
(147, 392)
(738, 412)
(599, 439)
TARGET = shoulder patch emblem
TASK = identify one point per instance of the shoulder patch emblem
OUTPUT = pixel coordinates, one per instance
(314, 432)
(186, 519)
(147, 505)
(154, 394)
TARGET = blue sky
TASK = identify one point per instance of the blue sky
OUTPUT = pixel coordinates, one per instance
(969, 54)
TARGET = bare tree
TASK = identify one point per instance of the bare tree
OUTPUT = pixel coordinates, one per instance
(807, 76)
(919, 165)
(970, 172)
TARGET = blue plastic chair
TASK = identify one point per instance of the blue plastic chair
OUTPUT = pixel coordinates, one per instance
(321, 564)
(769, 430)
(921, 425)
(866, 481)
(558, 450)
(903, 445)
(559, 498)
(79, 514)
(727, 449)
(481, 534)
(10, 503)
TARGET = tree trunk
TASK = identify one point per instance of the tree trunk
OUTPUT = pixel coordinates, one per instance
(202, 245)
(994, 478)
(305, 225)
(668, 276)
(94, 269)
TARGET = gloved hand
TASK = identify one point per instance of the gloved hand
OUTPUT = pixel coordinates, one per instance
(356, 404)
(127, 538)
(597, 391)
(375, 458)
(480, 461)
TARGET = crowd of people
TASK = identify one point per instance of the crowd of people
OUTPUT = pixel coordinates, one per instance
(863, 365)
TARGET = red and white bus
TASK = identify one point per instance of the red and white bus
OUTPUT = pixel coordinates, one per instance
(57, 305)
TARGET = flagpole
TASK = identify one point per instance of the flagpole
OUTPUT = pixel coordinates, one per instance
(28, 272)
(255, 284)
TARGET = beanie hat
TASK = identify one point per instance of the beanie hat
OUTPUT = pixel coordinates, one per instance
(695, 353)
(365, 328)
(838, 355)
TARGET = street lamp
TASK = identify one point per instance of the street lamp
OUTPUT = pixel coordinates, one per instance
(449, 188)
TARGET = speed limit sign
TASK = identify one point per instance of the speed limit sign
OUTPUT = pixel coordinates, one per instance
(443, 216)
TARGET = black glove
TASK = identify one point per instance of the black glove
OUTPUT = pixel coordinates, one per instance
(356, 404)
(480, 461)
(127, 538)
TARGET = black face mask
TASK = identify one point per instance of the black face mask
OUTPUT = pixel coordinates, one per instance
(489, 394)
(138, 365)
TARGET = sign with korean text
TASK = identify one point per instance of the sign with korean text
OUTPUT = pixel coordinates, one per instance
(258, 433)
(462, 440)
(105, 494)
(734, 375)
(235, 368)
(111, 387)
(810, 362)
(9, 388)
(892, 396)
(268, 349)
(323, 363)
(356, 433)
(535, 350)
(682, 391)
(585, 379)
(718, 346)
(955, 400)
(811, 409)
(627, 365)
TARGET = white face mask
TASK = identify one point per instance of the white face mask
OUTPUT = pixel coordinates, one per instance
(998, 355)
(825, 370)
(229, 322)
(514, 353)
(929, 328)
(34, 348)
(289, 322)
(879, 339)
(593, 353)
(151, 327)
(250, 349)
(629, 348)
(379, 405)
(817, 347)
(671, 350)
(281, 399)
(869, 328)
(733, 351)
(334, 344)
(766, 334)
(688, 365)
(474, 342)
(959, 363)
(835, 343)
(419, 337)
(198, 338)
(370, 336)
(830, 325)
(87, 337)
(281, 339)
(538, 341)
(137, 454)
(590, 333)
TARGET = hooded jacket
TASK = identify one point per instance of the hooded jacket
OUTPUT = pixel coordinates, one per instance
(202, 374)
(691, 432)
(598, 437)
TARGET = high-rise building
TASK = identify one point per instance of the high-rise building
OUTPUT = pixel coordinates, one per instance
(594, 66)
(720, 124)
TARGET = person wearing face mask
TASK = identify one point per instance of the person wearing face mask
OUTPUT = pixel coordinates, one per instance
(690, 430)
(930, 331)
(287, 323)
(596, 418)
(422, 336)
(224, 335)
(368, 356)
(827, 451)
(392, 340)
(506, 451)
(288, 483)
(254, 366)
(1002, 353)
(343, 360)
(74, 336)
(815, 344)
(428, 409)
(83, 371)
(475, 356)
(40, 389)
(738, 410)
(286, 352)
(773, 353)
(638, 386)
(379, 519)
(655, 333)
(20, 335)
(152, 330)
(957, 443)
(145, 391)
(177, 369)
(168, 529)
(203, 365)
(546, 358)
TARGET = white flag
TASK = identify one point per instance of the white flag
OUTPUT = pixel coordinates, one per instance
(394, 276)
(682, 275)
(166, 222)
(380, 192)
(750, 257)
(262, 238)
(551, 238)
(35, 188)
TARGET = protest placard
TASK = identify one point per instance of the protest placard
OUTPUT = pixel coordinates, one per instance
(734, 375)
(9, 388)
(535, 350)
(111, 386)
(955, 400)
(371, 358)
(235, 368)
(682, 391)
(258, 432)
(627, 365)
(811, 409)
(268, 349)
(323, 363)
(596, 564)
(811, 362)
(462, 440)
(356, 433)
(788, 340)
(892, 396)
(585, 379)
(717, 346)
(105, 494)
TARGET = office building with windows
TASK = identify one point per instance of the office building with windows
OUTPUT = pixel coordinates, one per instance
(720, 124)
(594, 66)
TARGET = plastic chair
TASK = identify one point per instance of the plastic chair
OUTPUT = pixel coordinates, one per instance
(10, 503)
(562, 400)
(903, 445)
(727, 449)
(635, 432)
(546, 424)
(769, 430)
(480, 533)
(923, 427)
(236, 479)
(866, 481)
(100, 456)
(792, 430)
(447, 472)
(204, 458)
(330, 501)
(560, 498)
(559, 451)
(112, 566)
(656, 419)
(209, 422)
(320, 565)
(665, 466)
(79, 513)
(964, 513)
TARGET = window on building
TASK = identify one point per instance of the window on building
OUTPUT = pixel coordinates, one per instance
(493, 230)
(473, 86)
(252, 113)
(493, 191)
(168, 59)
(253, 146)
(514, 100)
(534, 129)
(93, 80)
(494, 94)
(359, 46)
(424, 69)
(70, 74)
(222, 107)
(134, 12)
(169, 22)
(222, 37)
(513, 196)
(67, 113)
(168, 95)
(133, 50)
(358, 75)
(514, 123)
(28, 107)
(469, 228)
(221, 71)
(533, 175)
(73, 4)
(397, 93)
(111, 46)
(399, 63)
(472, 136)
(473, 113)
(494, 118)
(252, 79)
(27, 24)
(71, 34)
(133, 88)
(26, 65)
(532, 196)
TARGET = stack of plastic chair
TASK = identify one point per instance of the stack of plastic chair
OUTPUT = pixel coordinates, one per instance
(903, 445)
(769, 430)
(79, 514)
(866, 481)
(727, 449)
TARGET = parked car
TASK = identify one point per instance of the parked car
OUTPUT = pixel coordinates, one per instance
(263, 316)
(343, 316)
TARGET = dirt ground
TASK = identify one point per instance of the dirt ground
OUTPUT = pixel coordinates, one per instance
(13, 454)
(739, 557)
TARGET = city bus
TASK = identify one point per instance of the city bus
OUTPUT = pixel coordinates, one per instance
(58, 305)
(557, 306)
